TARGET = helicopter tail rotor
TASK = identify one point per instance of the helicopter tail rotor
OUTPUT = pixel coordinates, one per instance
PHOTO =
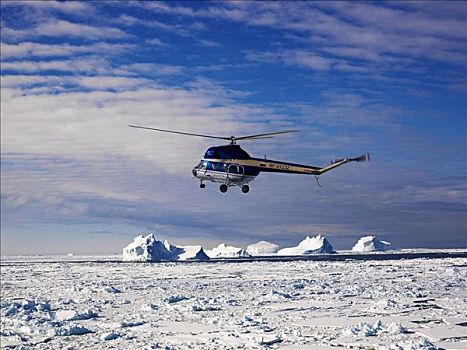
(338, 162)
(363, 158)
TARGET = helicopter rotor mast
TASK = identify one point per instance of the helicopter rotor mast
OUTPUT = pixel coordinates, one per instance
(232, 139)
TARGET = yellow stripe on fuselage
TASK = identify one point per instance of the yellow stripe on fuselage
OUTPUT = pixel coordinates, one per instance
(270, 165)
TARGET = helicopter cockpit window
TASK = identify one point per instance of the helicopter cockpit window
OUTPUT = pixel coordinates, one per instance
(203, 165)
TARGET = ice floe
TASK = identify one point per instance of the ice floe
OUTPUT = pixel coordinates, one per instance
(370, 244)
(73, 315)
(175, 299)
(368, 330)
(148, 248)
(262, 248)
(110, 336)
(69, 330)
(310, 245)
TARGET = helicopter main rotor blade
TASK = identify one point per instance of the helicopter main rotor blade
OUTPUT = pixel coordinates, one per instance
(180, 132)
(232, 139)
(257, 136)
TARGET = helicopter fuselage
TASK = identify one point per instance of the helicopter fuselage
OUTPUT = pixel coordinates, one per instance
(232, 166)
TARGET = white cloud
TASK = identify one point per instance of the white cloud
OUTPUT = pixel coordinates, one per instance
(94, 125)
(396, 20)
(156, 42)
(372, 32)
(66, 28)
(108, 82)
(152, 23)
(69, 7)
(208, 43)
(73, 155)
(300, 58)
(34, 49)
(62, 28)
(88, 64)
(91, 65)
(149, 68)
(307, 59)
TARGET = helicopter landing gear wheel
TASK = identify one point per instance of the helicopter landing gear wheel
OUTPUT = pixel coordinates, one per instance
(223, 188)
(201, 185)
(245, 188)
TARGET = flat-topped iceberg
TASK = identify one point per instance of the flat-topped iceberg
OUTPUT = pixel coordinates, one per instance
(147, 248)
(310, 245)
(370, 244)
(262, 248)
(226, 251)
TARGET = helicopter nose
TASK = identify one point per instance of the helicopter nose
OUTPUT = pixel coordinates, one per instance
(194, 172)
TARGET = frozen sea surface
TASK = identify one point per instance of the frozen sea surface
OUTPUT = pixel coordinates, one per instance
(397, 304)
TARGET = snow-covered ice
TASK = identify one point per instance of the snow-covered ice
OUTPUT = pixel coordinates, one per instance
(262, 248)
(310, 245)
(370, 244)
(378, 304)
(148, 248)
(226, 251)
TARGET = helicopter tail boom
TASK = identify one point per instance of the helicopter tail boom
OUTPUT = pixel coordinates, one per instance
(267, 165)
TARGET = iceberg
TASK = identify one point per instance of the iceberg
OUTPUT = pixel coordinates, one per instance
(147, 248)
(191, 252)
(310, 245)
(262, 248)
(226, 251)
(370, 244)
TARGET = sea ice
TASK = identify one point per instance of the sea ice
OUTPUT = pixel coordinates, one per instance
(262, 248)
(112, 289)
(70, 330)
(378, 304)
(147, 248)
(367, 330)
(109, 336)
(275, 295)
(370, 244)
(72, 315)
(149, 307)
(310, 245)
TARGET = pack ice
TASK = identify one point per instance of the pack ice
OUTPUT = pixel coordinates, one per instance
(370, 244)
(262, 248)
(313, 245)
(147, 248)
(226, 251)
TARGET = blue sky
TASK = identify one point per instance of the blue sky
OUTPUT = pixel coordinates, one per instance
(384, 77)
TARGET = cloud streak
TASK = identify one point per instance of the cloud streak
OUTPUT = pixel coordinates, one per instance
(34, 49)
(63, 28)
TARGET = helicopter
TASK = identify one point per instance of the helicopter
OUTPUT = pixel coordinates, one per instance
(230, 165)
